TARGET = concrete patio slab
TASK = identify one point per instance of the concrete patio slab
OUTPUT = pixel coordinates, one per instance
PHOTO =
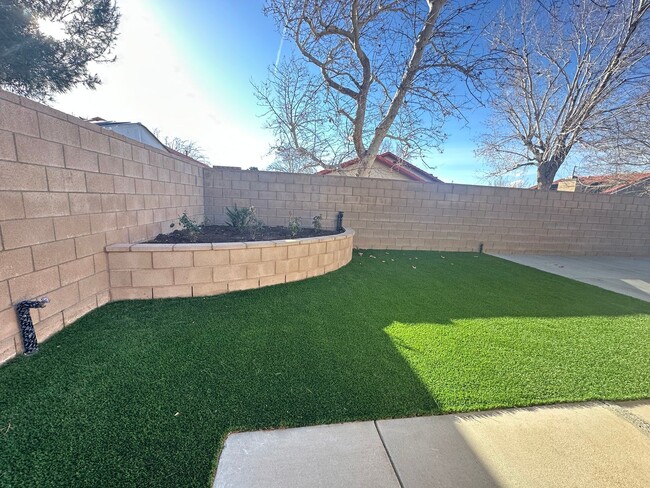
(323, 456)
(568, 445)
(628, 276)
(593, 444)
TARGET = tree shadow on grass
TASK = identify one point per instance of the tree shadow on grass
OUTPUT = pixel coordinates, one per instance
(143, 393)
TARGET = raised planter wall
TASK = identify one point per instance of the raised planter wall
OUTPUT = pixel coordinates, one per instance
(142, 271)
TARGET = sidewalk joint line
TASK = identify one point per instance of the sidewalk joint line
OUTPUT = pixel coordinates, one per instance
(630, 417)
(399, 480)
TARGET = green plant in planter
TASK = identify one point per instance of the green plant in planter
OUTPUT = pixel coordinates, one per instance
(239, 218)
(318, 222)
(294, 226)
(245, 219)
(188, 225)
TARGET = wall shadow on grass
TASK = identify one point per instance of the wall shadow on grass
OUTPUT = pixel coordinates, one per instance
(143, 393)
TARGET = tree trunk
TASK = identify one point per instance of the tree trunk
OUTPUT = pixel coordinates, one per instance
(546, 172)
(365, 165)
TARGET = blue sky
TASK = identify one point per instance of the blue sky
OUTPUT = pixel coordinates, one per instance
(185, 68)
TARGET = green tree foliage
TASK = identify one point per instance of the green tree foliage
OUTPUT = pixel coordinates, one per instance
(38, 65)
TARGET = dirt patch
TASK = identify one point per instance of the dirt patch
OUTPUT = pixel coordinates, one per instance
(225, 233)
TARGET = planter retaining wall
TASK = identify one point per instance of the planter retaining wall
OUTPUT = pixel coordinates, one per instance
(142, 271)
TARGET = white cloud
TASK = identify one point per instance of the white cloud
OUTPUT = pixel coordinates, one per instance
(151, 83)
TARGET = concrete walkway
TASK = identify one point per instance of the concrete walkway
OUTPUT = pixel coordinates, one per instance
(629, 276)
(593, 444)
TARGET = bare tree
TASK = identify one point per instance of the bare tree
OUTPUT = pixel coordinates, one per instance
(571, 79)
(188, 147)
(370, 72)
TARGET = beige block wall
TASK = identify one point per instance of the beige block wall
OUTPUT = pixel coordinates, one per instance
(68, 189)
(436, 216)
(143, 271)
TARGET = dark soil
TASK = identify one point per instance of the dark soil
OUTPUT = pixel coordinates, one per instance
(225, 233)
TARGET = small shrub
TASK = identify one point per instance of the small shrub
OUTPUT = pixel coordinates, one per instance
(189, 224)
(245, 219)
(294, 226)
(239, 217)
(317, 220)
(255, 225)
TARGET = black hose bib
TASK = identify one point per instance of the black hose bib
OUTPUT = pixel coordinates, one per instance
(339, 222)
(26, 325)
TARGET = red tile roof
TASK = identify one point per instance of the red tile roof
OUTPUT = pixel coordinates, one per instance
(394, 163)
(606, 184)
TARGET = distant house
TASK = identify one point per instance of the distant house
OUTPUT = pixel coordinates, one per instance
(140, 133)
(619, 184)
(386, 166)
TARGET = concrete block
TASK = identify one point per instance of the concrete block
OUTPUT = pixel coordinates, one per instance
(48, 327)
(20, 233)
(34, 284)
(53, 253)
(57, 130)
(65, 180)
(152, 277)
(120, 278)
(76, 270)
(231, 272)
(85, 203)
(113, 203)
(60, 299)
(111, 165)
(71, 226)
(288, 266)
(272, 280)
(274, 253)
(120, 149)
(257, 270)
(16, 177)
(15, 263)
(78, 310)
(7, 349)
(9, 324)
(77, 158)
(94, 141)
(185, 276)
(172, 291)
(14, 118)
(248, 284)
(45, 204)
(11, 205)
(88, 245)
(129, 260)
(211, 258)
(240, 256)
(99, 183)
(172, 259)
(103, 222)
(92, 285)
(296, 276)
(131, 294)
(37, 151)
(208, 289)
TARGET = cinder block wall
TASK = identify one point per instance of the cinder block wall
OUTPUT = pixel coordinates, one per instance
(390, 214)
(68, 189)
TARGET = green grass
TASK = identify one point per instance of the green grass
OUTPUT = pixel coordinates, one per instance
(143, 393)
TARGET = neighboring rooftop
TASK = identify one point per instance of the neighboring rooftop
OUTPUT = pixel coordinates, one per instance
(387, 166)
(618, 183)
(139, 132)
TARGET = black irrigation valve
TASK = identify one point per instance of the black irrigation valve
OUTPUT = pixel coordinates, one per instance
(26, 325)
(339, 222)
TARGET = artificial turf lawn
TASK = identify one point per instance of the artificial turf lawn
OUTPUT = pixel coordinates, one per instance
(143, 393)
